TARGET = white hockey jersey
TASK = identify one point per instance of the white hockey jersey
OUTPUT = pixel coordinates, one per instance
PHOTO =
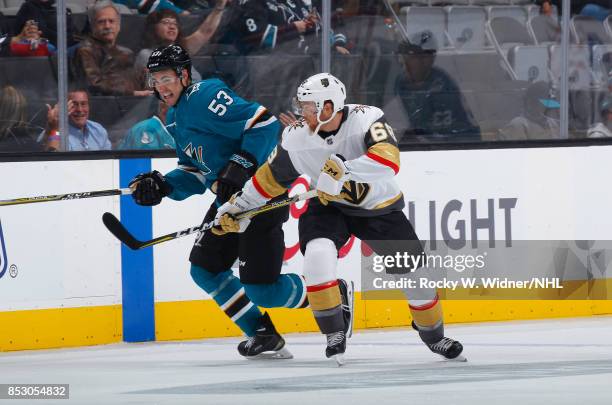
(366, 142)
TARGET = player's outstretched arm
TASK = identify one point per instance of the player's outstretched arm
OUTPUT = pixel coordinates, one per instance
(382, 158)
(272, 179)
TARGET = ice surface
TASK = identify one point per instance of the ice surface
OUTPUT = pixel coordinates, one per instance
(565, 361)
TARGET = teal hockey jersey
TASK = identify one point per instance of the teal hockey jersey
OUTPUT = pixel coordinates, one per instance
(210, 125)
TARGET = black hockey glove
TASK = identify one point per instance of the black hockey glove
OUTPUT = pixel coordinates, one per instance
(239, 169)
(149, 188)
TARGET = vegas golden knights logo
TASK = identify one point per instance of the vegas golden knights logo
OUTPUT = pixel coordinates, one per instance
(330, 170)
(355, 193)
(297, 124)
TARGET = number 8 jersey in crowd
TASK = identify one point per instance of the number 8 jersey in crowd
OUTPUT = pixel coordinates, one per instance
(364, 139)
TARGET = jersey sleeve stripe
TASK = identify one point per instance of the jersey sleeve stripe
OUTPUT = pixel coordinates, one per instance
(268, 39)
(265, 123)
(266, 184)
(251, 121)
(260, 189)
(385, 156)
(193, 171)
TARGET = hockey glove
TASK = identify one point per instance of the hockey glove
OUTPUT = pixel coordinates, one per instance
(238, 170)
(332, 178)
(149, 188)
(225, 214)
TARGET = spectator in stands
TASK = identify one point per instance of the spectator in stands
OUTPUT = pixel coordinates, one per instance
(44, 13)
(16, 134)
(433, 103)
(150, 133)
(30, 43)
(256, 25)
(603, 129)
(546, 8)
(597, 9)
(149, 6)
(83, 134)
(107, 68)
(162, 29)
(549, 21)
(540, 119)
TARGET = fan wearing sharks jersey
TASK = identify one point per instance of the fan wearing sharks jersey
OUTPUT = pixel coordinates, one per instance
(266, 25)
(351, 153)
(221, 139)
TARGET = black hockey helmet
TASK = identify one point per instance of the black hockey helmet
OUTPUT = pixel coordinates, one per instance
(172, 56)
(169, 57)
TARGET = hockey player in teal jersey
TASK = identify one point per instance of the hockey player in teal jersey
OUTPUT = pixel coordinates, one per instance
(221, 139)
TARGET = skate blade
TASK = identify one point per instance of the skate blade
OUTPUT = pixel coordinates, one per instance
(339, 359)
(281, 354)
(461, 359)
(351, 296)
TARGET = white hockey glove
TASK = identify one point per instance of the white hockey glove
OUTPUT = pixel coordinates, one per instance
(225, 220)
(332, 177)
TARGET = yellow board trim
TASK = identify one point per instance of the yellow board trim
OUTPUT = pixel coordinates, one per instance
(180, 320)
(201, 319)
(61, 327)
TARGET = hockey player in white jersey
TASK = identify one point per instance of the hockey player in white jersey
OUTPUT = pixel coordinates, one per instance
(351, 154)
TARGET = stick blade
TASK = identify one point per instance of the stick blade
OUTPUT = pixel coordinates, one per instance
(115, 227)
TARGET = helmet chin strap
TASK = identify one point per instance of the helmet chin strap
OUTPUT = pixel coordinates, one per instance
(321, 123)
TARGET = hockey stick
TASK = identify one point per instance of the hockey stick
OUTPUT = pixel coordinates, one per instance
(63, 197)
(116, 228)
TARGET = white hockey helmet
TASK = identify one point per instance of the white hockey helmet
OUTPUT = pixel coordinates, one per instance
(321, 88)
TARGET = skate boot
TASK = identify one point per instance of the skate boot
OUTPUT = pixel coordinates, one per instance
(448, 348)
(266, 344)
(336, 346)
(347, 290)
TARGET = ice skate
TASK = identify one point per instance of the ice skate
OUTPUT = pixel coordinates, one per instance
(347, 293)
(448, 348)
(266, 344)
(336, 346)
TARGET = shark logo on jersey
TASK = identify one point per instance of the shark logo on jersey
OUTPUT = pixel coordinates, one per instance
(198, 155)
(194, 88)
(3, 259)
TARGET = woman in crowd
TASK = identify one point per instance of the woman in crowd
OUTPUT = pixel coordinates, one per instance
(162, 29)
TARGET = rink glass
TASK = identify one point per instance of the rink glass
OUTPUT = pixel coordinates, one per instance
(464, 76)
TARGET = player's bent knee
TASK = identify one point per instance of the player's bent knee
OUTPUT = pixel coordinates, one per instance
(261, 294)
(320, 261)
